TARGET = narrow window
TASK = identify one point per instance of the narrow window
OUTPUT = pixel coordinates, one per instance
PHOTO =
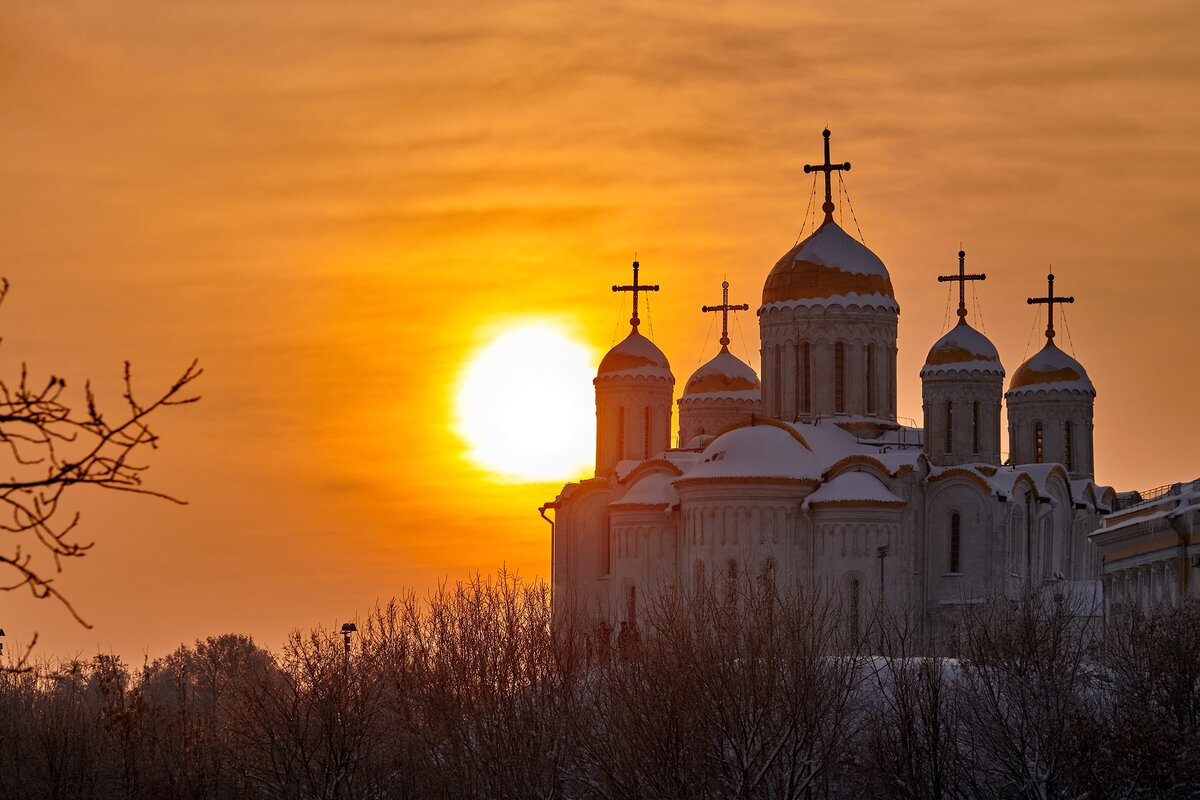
(949, 426)
(891, 407)
(1069, 446)
(807, 379)
(796, 396)
(646, 436)
(1039, 440)
(778, 408)
(839, 377)
(621, 434)
(955, 542)
(870, 379)
(731, 579)
(699, 576)
(975, 427)
(631, 607)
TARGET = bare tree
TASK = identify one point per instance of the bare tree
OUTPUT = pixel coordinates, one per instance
(911, 742)
(52, 445)
(1026, 692)
(1143, 744)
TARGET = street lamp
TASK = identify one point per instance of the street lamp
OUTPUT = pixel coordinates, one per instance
(347, 629)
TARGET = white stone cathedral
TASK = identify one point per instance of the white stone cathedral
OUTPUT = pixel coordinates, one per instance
(808, 479)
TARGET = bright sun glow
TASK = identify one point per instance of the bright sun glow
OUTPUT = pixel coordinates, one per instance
(525, 405)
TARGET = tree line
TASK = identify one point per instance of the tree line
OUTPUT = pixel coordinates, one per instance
(472, 692)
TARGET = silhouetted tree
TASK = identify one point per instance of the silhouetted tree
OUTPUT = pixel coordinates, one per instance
(49, 446)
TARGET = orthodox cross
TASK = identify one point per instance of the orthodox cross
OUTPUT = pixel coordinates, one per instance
(1049, 300)
(828, 169)
(962, 277)
(636, 287)
(725, 308)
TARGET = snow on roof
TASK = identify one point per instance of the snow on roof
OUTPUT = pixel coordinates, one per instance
(653, 489)
(773, 449)
(852, 488)
(758, 451)
(1050, 370)
(830, 267)
(1185, 499)
(680, 458)
(726, 376)
(635, 357)
(832, 443)
(963, 349)
(1040, 473)
(1087, 490)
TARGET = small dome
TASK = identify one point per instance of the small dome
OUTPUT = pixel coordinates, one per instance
(853, 489)
(636, 357)
(830, 265)
(726, 375)
(757, 451)
(652, 489)
(963, 348)
(1050, 369)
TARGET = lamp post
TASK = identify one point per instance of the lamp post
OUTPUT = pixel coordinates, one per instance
(347, 629)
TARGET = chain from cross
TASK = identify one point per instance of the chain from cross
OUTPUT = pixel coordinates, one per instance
(962, 277)
(1049, 300)
(636, 287)
(725, 308)
(828, 169)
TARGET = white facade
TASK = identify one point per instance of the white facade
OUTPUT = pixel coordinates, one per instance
(812, 482)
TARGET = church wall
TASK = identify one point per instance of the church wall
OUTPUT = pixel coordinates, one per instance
(783, 330)
(644, 559)
(581, 549)
(1053, 410)
(724, 524)
(978, 549)
(699, 416)
(962, 390)
(846, 544)
(621, 405)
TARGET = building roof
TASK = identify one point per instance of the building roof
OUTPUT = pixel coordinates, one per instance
(963, 349)
(1050, 370)
(635, 356)
(725, 376)
(853, 489)
(830, 267)
(771, 450)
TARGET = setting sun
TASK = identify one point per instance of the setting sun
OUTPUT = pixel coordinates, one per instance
(524, 403)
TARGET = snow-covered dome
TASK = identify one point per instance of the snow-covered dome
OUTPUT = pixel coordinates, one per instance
(769, 450)
(830, 266)
(1050, 369)
(963, 349)
(635, 356)
(652, 489)
(853, 489)
(726, 375)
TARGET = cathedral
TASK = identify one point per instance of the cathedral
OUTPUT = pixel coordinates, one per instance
(807, 479)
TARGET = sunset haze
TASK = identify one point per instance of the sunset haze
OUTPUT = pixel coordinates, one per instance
(336, 207)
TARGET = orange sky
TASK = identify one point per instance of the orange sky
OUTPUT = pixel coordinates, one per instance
(328, 203)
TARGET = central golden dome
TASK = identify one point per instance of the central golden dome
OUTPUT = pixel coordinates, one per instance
(829, 264)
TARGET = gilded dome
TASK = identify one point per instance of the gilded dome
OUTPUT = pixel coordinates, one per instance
(1050, 369)
(635, 356)
(830, 266)
(963, 349)
(725, 375)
